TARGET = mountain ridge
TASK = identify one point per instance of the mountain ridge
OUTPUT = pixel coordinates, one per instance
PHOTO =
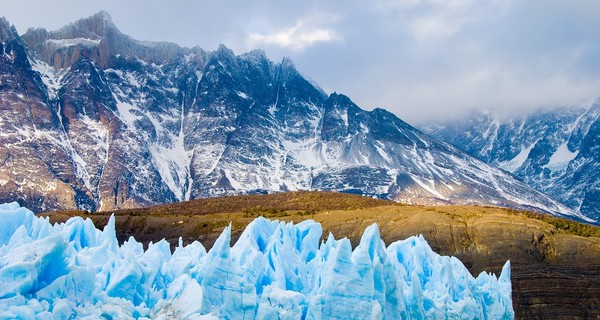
(553, 150)
(128, 130)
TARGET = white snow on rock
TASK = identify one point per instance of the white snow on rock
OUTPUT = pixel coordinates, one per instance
(74, 42)
(516, 162)
(275, 270)
(560, 158)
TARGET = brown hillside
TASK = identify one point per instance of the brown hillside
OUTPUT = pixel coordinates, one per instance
(555, 270)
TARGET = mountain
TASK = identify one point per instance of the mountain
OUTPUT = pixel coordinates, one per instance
(94, 119)
(555, 151)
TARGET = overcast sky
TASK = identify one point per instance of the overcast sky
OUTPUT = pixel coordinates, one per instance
(421, 59)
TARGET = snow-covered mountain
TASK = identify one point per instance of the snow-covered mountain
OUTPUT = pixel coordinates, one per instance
(94, 119)
(556, 151)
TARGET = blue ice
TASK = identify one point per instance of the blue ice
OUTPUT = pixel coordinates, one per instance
(276, 270)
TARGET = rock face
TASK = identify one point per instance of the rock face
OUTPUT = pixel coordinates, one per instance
(96, 38)
(97, 120)
(555, 151)
(31, 132)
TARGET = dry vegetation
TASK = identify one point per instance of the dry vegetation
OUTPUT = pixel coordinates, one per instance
(203, 219)
(566, 225)
(303, 205)
(563, 255)
(290, 201)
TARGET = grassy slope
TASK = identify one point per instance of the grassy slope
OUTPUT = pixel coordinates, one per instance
(562, 255)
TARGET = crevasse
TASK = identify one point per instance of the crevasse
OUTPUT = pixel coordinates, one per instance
(275, 270)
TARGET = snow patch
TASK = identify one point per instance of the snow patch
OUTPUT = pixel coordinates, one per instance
(99, 133)
(173, 162)
(428, 188)
(51, 78)
(381, 151)
(560, 158)
(74, 42)
(242, 95)
(172, 165)
(344, 116)
(125, 112)
(516, 162)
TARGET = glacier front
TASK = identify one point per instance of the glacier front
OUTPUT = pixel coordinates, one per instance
(276, 270)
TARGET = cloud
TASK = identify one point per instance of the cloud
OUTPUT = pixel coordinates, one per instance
(505, 91)
(298, 37)
(420, 59)
(432, 20)
(434, 27)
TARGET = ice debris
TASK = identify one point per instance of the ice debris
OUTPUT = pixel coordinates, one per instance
(275, 270)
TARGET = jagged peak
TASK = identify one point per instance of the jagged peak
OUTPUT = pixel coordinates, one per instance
(36, 30)
(257, 53)
(222, 50)
(287, 63)
(288, 68)
(386, 114)
(222, 55)
(97, 24)
(101, 16)
(104, 15)
(256, 56)
(8, 32)
(4, 23)
(339, 97)
(389, 117)
(339, 100)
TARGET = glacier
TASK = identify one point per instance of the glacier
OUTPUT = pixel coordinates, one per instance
(276, 270)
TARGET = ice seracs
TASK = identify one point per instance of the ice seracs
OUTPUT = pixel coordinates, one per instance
(276, 270)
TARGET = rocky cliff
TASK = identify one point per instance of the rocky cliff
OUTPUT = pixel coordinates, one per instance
(94, 119)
